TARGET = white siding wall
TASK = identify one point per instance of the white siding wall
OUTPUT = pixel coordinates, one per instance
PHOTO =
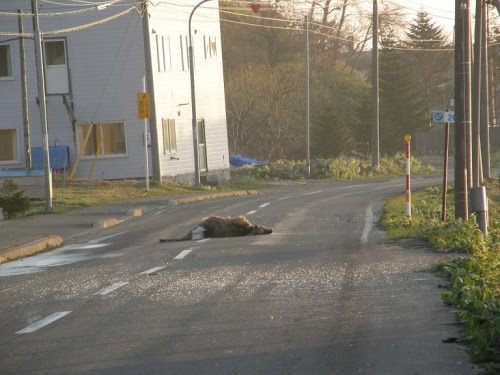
(107, 65)
(173, 92)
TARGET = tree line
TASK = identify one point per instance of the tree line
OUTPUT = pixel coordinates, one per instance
(264, 59)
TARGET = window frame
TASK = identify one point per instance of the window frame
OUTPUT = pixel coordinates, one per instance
(164, 53)
(15, 147)
(207, 42)
(9, 58)
(46, 56)
(101, 155)
(185, 53)
(167, 125)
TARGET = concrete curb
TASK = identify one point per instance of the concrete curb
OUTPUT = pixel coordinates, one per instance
(31, 248)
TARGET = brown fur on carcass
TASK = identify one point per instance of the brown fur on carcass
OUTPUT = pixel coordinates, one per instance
(216, 226)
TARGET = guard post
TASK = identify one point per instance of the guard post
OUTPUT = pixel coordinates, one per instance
(407, 139)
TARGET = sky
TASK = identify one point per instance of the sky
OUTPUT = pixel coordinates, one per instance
(442, 11)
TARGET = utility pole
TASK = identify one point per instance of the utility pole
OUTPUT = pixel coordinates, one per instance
(24, 91)
(485, 99)
(375, 87)
(308, 124)
(153, 128)
(42, 105)
(462, 104)
(476, 102)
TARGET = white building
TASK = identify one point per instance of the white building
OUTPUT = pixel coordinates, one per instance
(94, 64)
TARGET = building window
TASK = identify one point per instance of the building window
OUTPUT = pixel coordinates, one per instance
(102, 139)
(184, 52)
(210, 47)
(163, 52)
(6, 61)
(169, 137)
(55, 52)
(202, 145)
(9, 152)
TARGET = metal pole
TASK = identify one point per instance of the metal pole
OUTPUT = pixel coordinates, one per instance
(407, 139)
(308, 124)
(146, 156)
(445, 169)
(193, 101)
(24, 90)
(42, 104)
(375, 87)
(462, 104)
(153, 128)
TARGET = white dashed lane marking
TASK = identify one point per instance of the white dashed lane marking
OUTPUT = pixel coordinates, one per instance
(152, 270)
(264, 205)
(183, 253)
(110, 289)
(44, 322)
(251, 212)
(204, 240)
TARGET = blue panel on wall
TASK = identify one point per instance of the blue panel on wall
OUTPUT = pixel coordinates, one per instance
(59, 157)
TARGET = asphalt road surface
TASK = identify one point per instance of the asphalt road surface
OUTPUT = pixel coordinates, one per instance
(326, 293)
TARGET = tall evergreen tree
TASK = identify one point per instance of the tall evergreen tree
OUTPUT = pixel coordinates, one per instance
(433, 69)
(402, 107)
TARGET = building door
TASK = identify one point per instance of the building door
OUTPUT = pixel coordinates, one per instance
(202, 146)
(56, 66)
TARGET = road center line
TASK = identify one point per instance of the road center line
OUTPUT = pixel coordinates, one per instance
(204, 240)
(368, 224)
(264, 205)
(97, 240)
(110, 289)
(251, 212)
(283, 198)
(183, 253)
(152, 270)
(312, 192)
(44, 322)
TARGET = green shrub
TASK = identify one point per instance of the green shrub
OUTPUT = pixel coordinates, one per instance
(342, 168)
(12, 200)
(474, 278)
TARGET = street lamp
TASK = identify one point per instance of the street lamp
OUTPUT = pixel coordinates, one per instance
(255, 7)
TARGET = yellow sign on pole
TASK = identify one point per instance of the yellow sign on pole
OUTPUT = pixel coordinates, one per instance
(143, 105)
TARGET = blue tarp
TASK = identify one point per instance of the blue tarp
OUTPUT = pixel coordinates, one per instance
(239, 161)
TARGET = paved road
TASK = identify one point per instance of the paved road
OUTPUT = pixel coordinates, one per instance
(327, 293)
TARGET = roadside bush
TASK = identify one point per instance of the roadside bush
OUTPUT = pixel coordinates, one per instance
(475, 291)
(12, 200)
(342, 168)
(474, 277)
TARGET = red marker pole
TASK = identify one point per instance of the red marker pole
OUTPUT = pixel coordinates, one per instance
(408, 189)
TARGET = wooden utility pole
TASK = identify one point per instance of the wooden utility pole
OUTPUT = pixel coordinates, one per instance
(42, 105)
(462, 104)
(375, 88)
(153, 127)
(307, 96)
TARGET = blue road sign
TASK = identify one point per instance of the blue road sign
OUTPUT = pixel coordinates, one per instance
(443, 116)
